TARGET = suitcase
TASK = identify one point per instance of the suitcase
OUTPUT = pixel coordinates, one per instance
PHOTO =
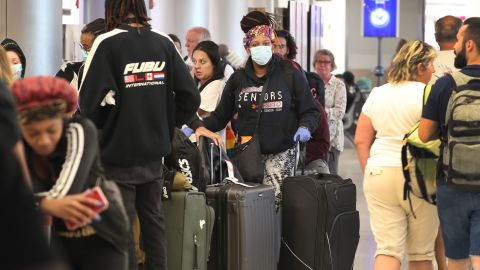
(320, 223)
(188, 229)
(244, 235)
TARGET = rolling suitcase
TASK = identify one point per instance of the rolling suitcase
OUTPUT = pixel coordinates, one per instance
(320, 223)
(188, 227)
(244, 235)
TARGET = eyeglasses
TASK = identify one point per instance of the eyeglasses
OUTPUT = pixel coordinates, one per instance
(324, 62)
(83, 47)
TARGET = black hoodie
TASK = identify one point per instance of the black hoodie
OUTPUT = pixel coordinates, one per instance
(153, 93)
(284, 110)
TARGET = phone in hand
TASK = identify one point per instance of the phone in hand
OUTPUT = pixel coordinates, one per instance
(94, 193)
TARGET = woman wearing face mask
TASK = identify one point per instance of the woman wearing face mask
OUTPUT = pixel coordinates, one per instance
(288, 114)
(64, 160)
(70, 71)
(18, 62)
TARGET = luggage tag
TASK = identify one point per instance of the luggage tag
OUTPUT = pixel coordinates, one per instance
(231, 176)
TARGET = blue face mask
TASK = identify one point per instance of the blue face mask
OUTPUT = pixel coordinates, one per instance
(261, 54)
(17, 71)
(84, 55)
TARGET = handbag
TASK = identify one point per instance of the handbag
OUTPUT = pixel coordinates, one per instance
(214, 161)
(247, 157)
(114, 225)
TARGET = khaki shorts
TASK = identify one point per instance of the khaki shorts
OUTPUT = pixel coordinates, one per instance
(396, 230)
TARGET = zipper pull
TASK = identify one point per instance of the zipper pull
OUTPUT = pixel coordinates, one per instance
(195, 244)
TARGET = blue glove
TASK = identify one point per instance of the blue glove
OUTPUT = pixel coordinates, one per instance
(187, 131)
(302, 135)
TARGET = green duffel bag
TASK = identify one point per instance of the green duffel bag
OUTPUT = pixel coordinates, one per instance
(188, 228)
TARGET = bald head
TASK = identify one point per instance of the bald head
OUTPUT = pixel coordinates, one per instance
(194, 36)
(446, 29)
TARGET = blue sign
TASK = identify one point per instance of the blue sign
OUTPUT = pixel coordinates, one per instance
(380, 18)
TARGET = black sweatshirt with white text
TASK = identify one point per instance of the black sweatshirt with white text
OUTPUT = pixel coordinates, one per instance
(284, 109)
(153, 93)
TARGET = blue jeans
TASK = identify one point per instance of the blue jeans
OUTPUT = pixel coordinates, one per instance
(459, 213)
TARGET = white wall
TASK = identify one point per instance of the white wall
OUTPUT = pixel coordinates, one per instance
(435, 9)
(224, 24)
(334, 29)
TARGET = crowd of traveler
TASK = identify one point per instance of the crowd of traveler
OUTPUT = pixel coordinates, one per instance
(108, 121)
(404, 224)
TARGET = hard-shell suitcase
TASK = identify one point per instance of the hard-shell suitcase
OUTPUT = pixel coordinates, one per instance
(320, 223)
(244, 235)
(188, 225)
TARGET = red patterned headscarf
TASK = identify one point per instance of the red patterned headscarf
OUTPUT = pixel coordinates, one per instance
(259, 30)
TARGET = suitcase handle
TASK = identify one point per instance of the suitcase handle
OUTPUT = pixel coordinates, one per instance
(300, 156)
(212, 173)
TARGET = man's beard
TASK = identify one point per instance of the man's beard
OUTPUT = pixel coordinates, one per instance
(460, 58)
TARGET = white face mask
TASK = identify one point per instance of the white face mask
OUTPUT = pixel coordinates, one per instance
(17, 71)
(261, 54)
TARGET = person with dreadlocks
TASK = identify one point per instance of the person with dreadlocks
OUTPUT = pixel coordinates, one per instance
(63, 158)
(70, 71)
(288, 115)
(136, 89)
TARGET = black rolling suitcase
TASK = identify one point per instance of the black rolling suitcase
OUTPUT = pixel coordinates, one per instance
(320, 223)
(244, 236)
(244, 233)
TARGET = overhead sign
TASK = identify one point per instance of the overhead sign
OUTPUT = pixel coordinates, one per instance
(380, 18)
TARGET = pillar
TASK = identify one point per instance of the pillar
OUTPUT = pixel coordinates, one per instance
(37, 27)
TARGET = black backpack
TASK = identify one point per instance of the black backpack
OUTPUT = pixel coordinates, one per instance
(187, 159)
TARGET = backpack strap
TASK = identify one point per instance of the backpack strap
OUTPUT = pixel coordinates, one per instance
(460, 78)
(406, 174)
(289, 69)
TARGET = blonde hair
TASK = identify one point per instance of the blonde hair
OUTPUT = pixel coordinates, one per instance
(404, 65)
(5, 69)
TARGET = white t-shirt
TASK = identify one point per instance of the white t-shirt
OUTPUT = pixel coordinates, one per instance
(444, 64)
(210, 97)
(393, 110)
(211, 94)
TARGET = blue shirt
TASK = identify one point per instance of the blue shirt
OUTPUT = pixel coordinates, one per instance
(437, 102)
